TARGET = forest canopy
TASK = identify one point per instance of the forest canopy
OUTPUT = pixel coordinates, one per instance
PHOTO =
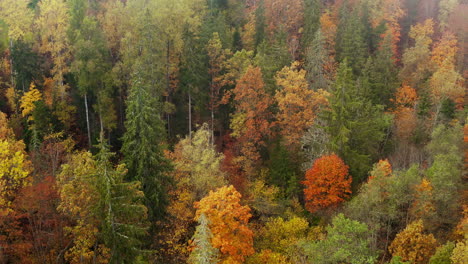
(233, 131)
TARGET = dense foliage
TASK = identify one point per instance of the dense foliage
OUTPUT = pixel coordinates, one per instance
(233, 131)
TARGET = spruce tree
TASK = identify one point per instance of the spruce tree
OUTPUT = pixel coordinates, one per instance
(352, 38)
(356, 126)
(122, 212)
(272, 57)
(381, 75)
(282, 171)
(312, 12)
(145, 130)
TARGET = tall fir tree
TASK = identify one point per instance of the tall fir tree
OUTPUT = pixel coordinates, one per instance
(272, 57)
(316, 61)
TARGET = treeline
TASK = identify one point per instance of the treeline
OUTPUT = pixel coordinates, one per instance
(233, 131)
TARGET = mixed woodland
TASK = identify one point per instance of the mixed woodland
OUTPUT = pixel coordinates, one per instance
(233, 131)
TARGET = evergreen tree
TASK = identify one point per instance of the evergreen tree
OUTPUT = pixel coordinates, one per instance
(312, 12)
(123, 214)
(203, 252)
(272, 57)
(26, 65)
(381, 74)
(352, 39)
(143, 140)
(142, 146)
(193, 77)
(260, 23)
(282, 173)
(356, 126)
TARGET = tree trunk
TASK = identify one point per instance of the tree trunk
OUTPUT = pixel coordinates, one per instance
(87, 119)
(212, 126)
(190, 114)
(168, 87)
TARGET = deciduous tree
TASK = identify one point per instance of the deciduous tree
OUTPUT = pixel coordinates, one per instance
(413, 245)
(416, 59)
(327, 183)
(251, 120)
(15, 168)
(228, 223)
(346, 241)
(298, 104)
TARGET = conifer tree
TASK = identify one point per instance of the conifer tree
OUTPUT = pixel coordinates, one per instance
(143, 140)
(356, 126)
(381, 74)
(121, 208)
(351, 39)
(203, 252)
(312, 12)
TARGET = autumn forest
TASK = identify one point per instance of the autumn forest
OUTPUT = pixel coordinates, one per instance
(233, 131)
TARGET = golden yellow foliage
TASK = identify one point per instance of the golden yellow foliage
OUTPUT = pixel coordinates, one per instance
(298, 104)
(12, 98)
(15, 169)
(28, 99)
(423, 204)
(413, 245)
(18, 16)
(460, 253)
(53, 23)
(5, 131)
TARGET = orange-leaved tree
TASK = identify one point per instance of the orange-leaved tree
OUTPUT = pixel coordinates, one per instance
(251, 121)
(327, 183)
(228, 223)
(405, 112)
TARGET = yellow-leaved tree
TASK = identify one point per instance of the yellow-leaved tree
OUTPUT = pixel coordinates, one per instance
(18, 17)
(15, 168)
(413, 245)
(27, 101)
(197, 170)
(53, 24)
(298, 104)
